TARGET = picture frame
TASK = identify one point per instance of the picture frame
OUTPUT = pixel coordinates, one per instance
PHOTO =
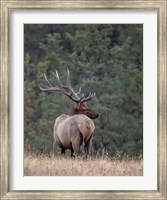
(6, 7)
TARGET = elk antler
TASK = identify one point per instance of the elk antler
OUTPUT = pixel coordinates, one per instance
(67, 90)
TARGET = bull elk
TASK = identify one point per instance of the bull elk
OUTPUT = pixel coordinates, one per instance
(75, 128)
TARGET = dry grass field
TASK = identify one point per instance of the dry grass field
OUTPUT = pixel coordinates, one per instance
(52, 165)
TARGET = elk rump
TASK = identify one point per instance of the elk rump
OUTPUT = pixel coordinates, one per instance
(70, 132)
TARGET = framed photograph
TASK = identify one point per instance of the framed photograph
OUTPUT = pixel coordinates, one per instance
(83, 99)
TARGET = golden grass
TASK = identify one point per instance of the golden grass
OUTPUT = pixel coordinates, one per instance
(42, 165)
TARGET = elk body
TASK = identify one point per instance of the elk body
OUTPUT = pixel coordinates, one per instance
(75, 128)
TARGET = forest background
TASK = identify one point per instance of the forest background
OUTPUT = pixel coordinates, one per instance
(103, 58)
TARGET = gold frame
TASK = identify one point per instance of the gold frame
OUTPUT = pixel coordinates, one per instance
(161, 7)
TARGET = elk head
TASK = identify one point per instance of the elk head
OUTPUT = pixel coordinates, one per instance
(80, 107)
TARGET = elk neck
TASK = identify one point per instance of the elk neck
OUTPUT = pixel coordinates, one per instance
(88, 112)
(72, 112)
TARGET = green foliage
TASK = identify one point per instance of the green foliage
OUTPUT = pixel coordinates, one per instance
(102, 58)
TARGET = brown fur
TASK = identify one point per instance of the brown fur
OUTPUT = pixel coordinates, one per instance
(72, 131)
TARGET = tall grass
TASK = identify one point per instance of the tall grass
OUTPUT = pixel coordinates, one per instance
(54, 165)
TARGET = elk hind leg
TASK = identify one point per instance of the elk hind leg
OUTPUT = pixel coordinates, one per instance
(76, 138)
(76, 143)
(72, 152)
(62, 150)
(89, 147)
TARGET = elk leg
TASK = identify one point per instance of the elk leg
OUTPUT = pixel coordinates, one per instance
(76, 148)
(77, 143)
(62, 150)
(88, 146)
(76, 138)
(72, 152)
